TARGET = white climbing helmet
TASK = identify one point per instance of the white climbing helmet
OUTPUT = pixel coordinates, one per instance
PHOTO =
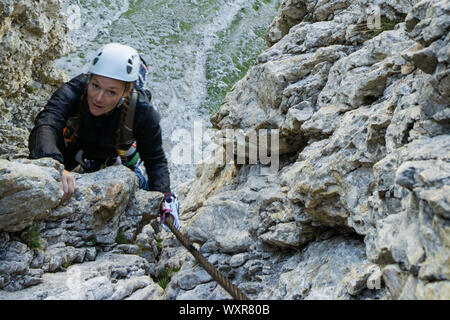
(116, 61)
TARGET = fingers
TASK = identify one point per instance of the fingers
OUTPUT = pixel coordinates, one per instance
(68, 186)
(64, 188)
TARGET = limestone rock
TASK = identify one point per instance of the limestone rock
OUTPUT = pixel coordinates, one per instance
(142, 208)
(307, 275)
(428, 21)
(31, 34)
(93, 213)
(356, 208)
(29, 190)
(110, 277)
(289, 14)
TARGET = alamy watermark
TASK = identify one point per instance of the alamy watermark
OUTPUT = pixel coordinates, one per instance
(373, 17)
(73, 13)
(226, 146)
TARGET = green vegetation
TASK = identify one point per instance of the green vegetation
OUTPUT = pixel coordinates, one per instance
(163, 276)
(91, 242)
(132, 9)
(225, 65)
(159, 245)
(31, 237)
(30, 89)
(142, 248)
(256, 5)
(186, 26)
(120, 238)
(385, 25)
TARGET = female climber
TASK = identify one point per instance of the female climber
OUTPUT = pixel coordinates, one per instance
(105, 118)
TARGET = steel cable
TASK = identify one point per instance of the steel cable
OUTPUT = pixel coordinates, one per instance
(213, 272)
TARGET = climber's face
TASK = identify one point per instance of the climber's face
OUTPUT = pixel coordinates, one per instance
(103, 94)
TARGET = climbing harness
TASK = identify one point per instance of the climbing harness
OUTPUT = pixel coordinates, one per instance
(213, 272)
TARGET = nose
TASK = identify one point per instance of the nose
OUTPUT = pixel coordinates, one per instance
(98, 98)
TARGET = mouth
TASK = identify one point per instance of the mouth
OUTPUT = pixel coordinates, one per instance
(96, 106)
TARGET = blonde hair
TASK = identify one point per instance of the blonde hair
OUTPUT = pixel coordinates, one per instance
(123, 114)
(83, 106)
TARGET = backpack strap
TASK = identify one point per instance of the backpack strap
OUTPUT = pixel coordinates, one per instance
(127, 130)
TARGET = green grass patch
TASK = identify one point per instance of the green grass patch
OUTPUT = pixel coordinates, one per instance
(91, 242)
(30, 89)
(120, 238)
(163, 276)
(158, 245)
(235, 53)
(31, 237)
(385, 25)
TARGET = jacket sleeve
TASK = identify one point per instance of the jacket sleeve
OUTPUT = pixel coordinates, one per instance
(46, 138)
(147, 132)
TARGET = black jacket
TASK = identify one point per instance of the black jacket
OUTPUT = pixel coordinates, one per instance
(97, 134)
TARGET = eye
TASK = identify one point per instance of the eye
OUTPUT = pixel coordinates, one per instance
(111, 93)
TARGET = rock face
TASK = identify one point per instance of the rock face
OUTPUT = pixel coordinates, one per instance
(364, 146)
(103, 218)
(29, 191)
(32, 37)
(354, 203)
